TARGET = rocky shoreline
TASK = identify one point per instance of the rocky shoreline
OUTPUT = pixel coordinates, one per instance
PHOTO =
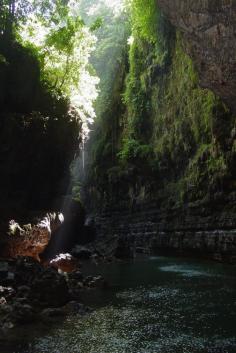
(30, 292)
(34, 290)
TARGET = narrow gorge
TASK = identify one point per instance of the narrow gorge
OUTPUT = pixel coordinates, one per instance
(118, 176)
(167, 180)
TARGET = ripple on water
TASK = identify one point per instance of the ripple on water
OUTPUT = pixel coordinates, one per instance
(122, 330)
(144, 321)
(185, 271)
(191, 313)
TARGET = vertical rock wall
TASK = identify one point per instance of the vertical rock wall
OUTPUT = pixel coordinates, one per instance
(209, 29)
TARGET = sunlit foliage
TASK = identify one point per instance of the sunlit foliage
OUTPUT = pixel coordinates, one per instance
(144, 18)
(109, 62)
(64, 46)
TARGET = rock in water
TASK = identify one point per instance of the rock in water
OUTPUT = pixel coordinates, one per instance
(65, 263)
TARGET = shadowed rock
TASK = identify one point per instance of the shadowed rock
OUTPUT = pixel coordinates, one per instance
(209, 30)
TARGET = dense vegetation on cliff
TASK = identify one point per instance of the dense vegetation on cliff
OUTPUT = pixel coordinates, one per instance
(46, 95)
(157, 133)
(169, 139)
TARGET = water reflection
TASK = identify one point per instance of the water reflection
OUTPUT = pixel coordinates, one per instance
(158, 306)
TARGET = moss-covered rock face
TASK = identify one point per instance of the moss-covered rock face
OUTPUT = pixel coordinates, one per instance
(208, 27)
(191, 127)
(176, 140)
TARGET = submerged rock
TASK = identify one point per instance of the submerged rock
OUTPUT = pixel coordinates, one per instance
(52, 314)
(95, 282)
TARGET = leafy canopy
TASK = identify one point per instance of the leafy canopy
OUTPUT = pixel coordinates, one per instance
(55, 32)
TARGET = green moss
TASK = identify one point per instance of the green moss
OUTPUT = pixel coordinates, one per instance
(145, 19)
(174, 133)
(182, 112)
(149, 55)
(135, 152)
(173, 116)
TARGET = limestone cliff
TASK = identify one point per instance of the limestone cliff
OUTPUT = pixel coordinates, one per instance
(169, 178)
(209, 30)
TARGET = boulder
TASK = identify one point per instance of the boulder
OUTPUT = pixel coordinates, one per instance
(64, 262)
(22, 313)
(31, 240)
(50, 289)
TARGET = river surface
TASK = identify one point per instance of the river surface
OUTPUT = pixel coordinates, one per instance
(154, 305)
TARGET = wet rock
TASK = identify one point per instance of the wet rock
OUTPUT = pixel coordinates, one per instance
(10, 277)
(22, 300)
(7, 292)
(124, 249)
(50, 289)
(41, 293)
(65, 263)
(23, 291)
(5, 309)
(37, 284)
(52, 314)
(4, 268)
(200, 229)
(74, 307)
(95, 282)
(22, 313)
(26, 269)
(77, 276)
(3, 301)
(81, 252)
(7, 326)
(88, 279)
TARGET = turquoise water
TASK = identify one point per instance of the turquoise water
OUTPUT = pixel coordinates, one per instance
(161, 305)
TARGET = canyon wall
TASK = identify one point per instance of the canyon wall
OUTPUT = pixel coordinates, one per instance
(170, 176)
(209, 31)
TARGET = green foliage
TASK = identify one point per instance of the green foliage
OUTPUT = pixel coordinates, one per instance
(14, 13)
(109, 55)
(40, 127)
(64, 44)
(3, 60)
(96, 24)
(145, 18)
(148, 56)
(173, 132)
(63, 38)
(109, 60)
(76, 190)
(183, 117)
(133, 151)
